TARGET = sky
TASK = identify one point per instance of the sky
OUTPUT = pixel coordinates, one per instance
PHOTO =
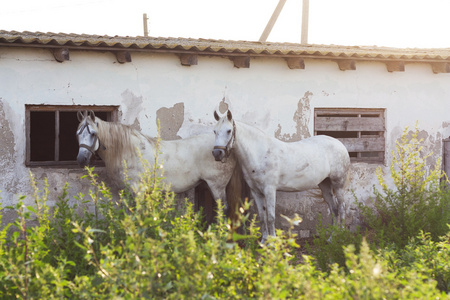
(389, 23)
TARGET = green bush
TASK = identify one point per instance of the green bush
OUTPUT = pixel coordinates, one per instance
(417, 203)
(369, 277)
(424, 256)
(139, 246)
(328, 245)
(27, 270)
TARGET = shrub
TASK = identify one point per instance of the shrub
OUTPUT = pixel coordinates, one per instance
(418, 201)
(164, 254)
(328, 245)
(424, 256)
(369, 277)
(26, 268)
(139, 246)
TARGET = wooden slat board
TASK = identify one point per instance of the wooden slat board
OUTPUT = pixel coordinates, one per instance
(348, 124)
(360, 130)
(363, 144)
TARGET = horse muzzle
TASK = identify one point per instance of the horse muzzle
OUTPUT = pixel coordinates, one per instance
(218, 154)
(84, 157)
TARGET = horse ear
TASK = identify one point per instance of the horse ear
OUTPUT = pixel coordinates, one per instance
(216, 116)
(229, 115)
(80, 116)
(92, 115)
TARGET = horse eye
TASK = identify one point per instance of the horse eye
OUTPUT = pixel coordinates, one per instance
(215, 131)
(229, 131)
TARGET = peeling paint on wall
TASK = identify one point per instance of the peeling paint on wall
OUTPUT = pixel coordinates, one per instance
(446, 129)
(223, 106)
(7, 149)
(432, 146)
(431, 143)
(301, 119)
(7, 161)
(131, 108)
(170, 120)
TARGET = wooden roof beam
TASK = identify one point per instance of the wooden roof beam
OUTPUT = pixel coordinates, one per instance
(189, 59)
(346, 64)
(395, 66)
(61, 54)
(123, 56)
(241, 61)
(295, 62)
(440, 67)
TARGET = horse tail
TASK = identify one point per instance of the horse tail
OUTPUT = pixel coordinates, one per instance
(234, 191)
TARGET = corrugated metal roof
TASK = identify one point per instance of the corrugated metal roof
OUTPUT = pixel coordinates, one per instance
(217, 47)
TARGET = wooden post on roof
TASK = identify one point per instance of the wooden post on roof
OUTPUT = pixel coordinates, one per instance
(305, 21)
(145, 19)
(272, 21)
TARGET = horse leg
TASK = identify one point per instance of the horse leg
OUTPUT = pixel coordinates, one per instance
(219, 192)
(270, 196)
(327, 193)
(339, 192)
(338, 185)
(259, 200)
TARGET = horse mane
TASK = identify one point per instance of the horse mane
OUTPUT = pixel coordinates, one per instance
(119, 141)
(255, 131)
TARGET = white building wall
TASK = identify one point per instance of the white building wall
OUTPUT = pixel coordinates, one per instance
(268, 95)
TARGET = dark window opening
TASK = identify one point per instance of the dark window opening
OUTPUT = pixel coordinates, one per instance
(68, 149)
(353, 154)
(51, 133)
(42, 136)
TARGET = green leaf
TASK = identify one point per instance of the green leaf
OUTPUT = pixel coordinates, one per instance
(79, 245)
(31, 208)
(90, 230)
(238, 237)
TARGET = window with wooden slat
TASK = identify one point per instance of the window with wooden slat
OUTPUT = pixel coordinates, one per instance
(362, 131)
(51, 133)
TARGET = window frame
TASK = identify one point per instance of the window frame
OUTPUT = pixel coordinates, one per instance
(112, 116)
(368, 125)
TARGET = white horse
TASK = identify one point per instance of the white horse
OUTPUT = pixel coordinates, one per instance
(185, 162)
(270, 165)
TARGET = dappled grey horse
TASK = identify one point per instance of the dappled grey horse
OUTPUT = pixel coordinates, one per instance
(270, 165)
(185, 163)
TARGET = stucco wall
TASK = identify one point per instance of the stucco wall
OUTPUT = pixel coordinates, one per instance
(278, 100)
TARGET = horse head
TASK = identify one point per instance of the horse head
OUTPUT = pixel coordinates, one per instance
(225, 132)
(87, 135)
